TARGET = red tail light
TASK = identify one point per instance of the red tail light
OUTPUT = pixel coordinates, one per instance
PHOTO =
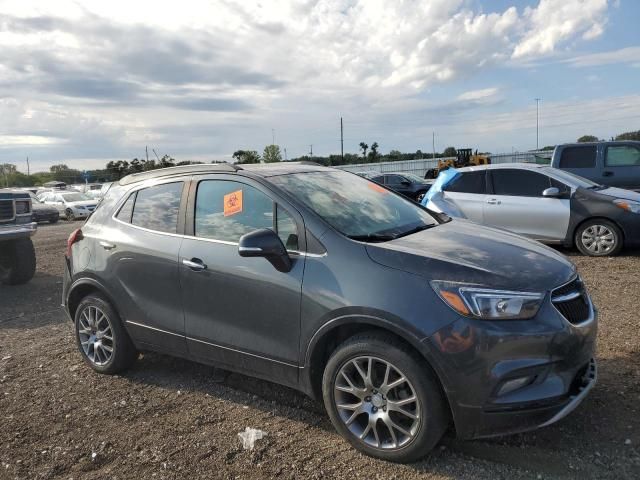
(75, 236)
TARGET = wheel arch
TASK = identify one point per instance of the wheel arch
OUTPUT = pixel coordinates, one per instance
(333, 333)
(80, 289)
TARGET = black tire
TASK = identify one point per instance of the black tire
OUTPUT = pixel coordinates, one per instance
(123, 353)
(431, 423)
(69, 214)
(54, 220)
(17, 261)
(592, 227)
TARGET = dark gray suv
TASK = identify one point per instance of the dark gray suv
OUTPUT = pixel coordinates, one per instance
(402, 321)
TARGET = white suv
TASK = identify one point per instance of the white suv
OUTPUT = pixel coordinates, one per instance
(71, 205)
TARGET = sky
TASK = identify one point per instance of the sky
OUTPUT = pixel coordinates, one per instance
(85, 82)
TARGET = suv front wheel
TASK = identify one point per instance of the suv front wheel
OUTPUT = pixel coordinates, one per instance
(101, 338)
(383, 399)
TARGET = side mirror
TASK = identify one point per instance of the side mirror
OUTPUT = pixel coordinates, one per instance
(551, 192)
(265, 243)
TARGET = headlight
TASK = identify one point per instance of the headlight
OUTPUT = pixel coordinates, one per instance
(22, 207)
(628, 205)
(486, 303)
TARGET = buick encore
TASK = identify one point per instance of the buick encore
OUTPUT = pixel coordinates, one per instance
(402, 321)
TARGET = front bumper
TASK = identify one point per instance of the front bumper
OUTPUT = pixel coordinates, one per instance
(15, 231)
(475, 359)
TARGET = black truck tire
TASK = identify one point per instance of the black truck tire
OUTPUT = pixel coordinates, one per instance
(17, 261)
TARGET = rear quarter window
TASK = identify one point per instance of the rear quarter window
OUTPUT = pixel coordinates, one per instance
(157, 207)
(579, 157)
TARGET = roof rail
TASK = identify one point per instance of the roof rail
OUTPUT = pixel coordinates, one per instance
(180, 170)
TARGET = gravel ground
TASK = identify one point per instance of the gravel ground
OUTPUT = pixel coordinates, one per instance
(169, 418)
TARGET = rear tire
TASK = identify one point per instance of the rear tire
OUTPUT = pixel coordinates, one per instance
(69, 214)
(102, 340)
(415, 403)
(54, 220)
(17, 261)
(599, 238)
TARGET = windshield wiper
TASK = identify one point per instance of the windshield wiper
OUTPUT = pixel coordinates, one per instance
(415, 230)
(372, 237)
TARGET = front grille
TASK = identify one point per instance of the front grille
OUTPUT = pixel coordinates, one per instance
(571, 301)
(6, 210)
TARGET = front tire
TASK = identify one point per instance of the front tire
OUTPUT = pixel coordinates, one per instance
(69, 214)
(599, 238)
(17, 261)
(102, 340)
(383, 398)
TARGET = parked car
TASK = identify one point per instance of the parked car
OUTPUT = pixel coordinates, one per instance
(407, 184)
(401, 320)
(72, 205)
(546, 204)
(41, 212)
(17, 255)
(616, 164)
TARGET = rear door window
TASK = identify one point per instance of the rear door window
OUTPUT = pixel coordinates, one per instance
(622, 156)
(468, 182)
(156, 208)
(579, 157)
(519, 183)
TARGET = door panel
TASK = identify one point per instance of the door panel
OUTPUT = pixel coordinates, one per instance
(240, 312)
(470, 204)
(539, 218)
(622, 166)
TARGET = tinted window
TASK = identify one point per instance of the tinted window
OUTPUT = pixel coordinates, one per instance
(519, 183)
(622, 156)
(286, 228)
(579, 157)
(470, 182)
(354, 206)
(394, 179)
(226, 210)
(156, 208)
(127, 209)
(378, 179)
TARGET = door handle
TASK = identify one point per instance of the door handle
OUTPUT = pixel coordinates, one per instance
(107, 245)
(607, 173)
(493, 201)
(194, 264)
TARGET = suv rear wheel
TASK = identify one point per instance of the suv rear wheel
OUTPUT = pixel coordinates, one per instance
(17, 261)
(383, 399)
(101, 338)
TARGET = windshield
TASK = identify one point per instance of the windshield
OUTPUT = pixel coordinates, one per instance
(573, 179)
(356, 207)
(75, 197)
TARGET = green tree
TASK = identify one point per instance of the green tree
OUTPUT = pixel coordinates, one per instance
(373, 154)
(246, 156)
(449, 152)
(587, 138)
(272, 154)
(364, 147)
(629, 136)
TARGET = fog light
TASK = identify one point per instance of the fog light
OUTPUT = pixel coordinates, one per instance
(514, 384)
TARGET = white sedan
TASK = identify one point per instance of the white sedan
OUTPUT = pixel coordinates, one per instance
(71, 205)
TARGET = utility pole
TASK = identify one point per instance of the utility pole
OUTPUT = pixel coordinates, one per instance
(28, 169)
(273, 137)
(146, 150)
(311, 151)
(433, 144)
(537, 121)
(341, 140)
(285, 154)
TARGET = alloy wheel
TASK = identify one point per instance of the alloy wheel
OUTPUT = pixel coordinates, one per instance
(96, 335)
(598, 239)
(377, 402)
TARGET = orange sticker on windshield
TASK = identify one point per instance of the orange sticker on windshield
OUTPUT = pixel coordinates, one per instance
(233, 203)
(376, 187)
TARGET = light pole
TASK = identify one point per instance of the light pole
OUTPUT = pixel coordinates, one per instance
(537, 121)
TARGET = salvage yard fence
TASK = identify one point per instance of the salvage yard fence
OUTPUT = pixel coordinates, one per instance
(420, 167)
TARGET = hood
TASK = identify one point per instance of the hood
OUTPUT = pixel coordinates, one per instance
(41, 207)
(620, 193)
(462, 251)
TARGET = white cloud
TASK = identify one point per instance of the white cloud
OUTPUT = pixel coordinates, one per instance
(104, 78)
(629, 55)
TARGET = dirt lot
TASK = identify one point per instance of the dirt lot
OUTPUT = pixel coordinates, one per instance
(169, 418)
